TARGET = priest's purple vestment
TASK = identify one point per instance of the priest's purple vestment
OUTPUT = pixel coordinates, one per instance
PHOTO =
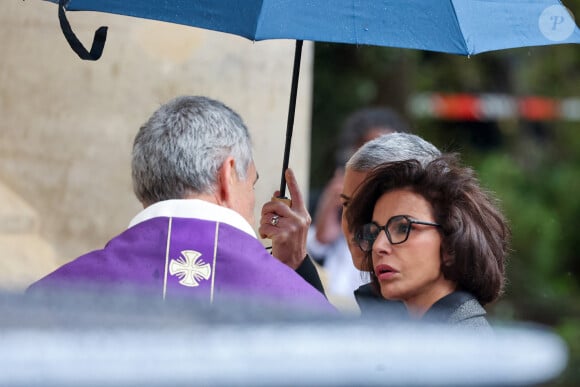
(188, 248)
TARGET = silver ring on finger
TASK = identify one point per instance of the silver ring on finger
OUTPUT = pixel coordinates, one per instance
(275, 219)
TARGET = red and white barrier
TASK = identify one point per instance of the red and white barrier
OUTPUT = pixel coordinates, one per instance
(493, 107)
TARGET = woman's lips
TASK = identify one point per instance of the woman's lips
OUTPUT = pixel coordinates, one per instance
(385, 272)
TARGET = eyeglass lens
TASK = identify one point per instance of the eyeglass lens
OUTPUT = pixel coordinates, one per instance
(397, 230)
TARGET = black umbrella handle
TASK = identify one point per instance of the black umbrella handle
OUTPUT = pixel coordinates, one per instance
(98, 40)
(291, 110)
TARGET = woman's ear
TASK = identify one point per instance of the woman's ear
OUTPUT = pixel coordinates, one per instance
(447, 258)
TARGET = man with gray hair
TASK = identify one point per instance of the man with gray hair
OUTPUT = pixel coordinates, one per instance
(194, 174)
(386, 148)
(325, 242)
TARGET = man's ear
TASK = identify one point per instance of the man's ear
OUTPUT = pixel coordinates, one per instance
(227, 177)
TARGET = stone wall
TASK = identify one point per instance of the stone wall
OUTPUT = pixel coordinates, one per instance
(67, 125)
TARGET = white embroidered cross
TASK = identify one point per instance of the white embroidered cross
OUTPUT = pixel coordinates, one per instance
(189, 268)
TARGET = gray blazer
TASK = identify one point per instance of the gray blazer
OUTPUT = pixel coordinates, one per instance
(459, 308)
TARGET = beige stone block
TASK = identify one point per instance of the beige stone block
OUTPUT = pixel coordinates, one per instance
(16, 216)
(67, 125)
(24, 258)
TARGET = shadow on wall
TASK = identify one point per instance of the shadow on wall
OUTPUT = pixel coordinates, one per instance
(24, 255)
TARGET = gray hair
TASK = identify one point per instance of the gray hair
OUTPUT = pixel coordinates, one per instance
(392, 147)
(180, 149)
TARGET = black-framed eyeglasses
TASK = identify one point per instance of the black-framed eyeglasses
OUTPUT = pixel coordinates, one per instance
(397, 229)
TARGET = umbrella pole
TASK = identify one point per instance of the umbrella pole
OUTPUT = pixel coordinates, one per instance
(291, 110)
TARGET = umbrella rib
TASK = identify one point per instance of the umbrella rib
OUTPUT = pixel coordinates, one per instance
(354, 22)
(467, 50)
(258, 24)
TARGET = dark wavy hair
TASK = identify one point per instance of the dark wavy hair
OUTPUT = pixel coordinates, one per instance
(475, 234)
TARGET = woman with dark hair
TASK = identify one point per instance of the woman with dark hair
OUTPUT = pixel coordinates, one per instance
(433, 238)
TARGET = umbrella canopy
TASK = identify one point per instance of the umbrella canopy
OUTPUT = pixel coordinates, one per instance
(465, 27)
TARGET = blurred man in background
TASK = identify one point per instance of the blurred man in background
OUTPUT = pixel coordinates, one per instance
(326, 243)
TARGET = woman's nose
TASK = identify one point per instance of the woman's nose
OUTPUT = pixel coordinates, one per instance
(382, 244)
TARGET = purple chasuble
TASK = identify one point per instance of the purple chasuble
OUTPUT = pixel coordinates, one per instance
(172, 256)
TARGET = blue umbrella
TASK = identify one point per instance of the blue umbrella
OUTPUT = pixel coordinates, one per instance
(464, 27)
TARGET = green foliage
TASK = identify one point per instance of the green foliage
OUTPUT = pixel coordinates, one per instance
(534, 200)
(568, 330)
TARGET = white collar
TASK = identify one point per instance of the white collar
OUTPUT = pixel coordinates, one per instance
(194, 208)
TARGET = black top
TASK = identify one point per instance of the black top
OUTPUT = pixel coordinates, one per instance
(308, 272)
(372, 304)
